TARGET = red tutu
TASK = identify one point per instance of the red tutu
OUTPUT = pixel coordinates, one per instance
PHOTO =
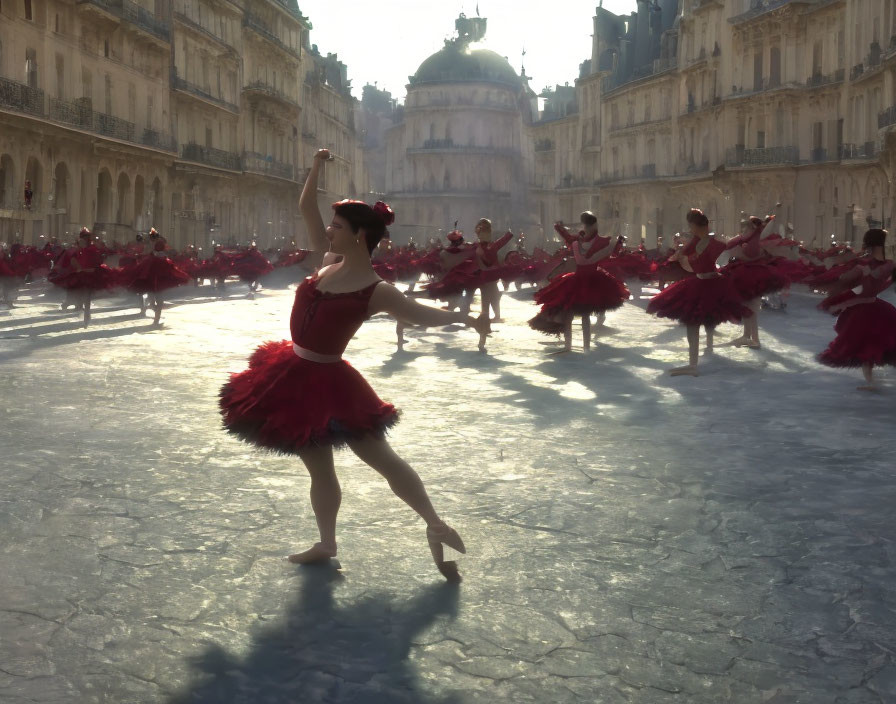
(696, 301)
(153, 274)
(385, 271)
(866, 333)
(97, 279)
(283, 402)
(459, 279)
(251, 266)
(584, 291)
(754, 279)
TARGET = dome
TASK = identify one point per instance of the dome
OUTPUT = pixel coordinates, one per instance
(459, 64)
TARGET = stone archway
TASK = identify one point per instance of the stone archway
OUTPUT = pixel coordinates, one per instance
(59, 198)
(104, 197)
(123, 214)
(8, 193)
(139, 204)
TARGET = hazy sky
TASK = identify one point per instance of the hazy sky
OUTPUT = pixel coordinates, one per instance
(384, 42)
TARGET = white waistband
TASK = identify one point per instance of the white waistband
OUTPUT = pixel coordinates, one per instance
(708, 275)
(315, 356)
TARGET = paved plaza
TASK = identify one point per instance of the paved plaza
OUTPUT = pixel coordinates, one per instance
(631, 537)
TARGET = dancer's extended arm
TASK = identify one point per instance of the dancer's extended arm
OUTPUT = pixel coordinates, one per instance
(388, 299)
(314, 223)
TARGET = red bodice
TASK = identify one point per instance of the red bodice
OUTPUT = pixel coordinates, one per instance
(875, 276)
(326, 322)
(487, 253)
(705, 262)
(89, 257)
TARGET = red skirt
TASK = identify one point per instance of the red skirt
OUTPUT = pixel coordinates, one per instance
(153, 274)
(696, 301)
(583, 292)
(755, 279)
(284, 403)
(251, 268)
(98, 279)
(385, 271)
(866, 333)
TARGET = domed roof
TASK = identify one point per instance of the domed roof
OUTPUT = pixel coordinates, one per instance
(457, 63)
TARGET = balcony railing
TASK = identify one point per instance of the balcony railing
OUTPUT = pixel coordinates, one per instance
(20, 97)
(886, 117)
(818, 154)
(211, 157)
(766, 156)
(544, 145)
(255, 23)
(80, 115)
(817, 80)
(179, 83)
(135, 14)
(266, 164)
(757, 8)
(181, 17)
(857, 71)
(868, 150)
(271, 92)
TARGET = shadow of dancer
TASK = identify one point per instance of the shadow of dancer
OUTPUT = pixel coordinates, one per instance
(325, 652)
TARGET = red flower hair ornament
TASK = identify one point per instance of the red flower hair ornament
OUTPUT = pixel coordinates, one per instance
(385, 212)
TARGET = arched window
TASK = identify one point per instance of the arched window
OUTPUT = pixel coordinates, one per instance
(28, 15)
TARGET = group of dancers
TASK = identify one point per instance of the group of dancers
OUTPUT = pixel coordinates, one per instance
(299, 396)
(147, 269)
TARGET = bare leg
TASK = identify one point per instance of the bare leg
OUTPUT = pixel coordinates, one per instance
(157, 307)
(567, 334)
(601, 319)
(407, 486)
(693, 353)
(326, 497)
(586, 332)
(710, 335)
(403, 480)
(750, 338)
(142, 303)
(399, 333)
(87, 308)
(868, 373)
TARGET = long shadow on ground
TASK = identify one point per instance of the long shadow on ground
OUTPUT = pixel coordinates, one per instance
(322, 651)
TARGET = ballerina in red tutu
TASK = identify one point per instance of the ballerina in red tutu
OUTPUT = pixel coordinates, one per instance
(488, 270)
(586, 291)
(154, 274)
(706, 299)
(81, 273)
(866, 325)
(753, 275)
(299, 396)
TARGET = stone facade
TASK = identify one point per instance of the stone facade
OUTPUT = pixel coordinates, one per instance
(186, 115)
(732, 105)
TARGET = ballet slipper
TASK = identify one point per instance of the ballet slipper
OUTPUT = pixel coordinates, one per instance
(684, 371)
(437, 537)
(317, 553)
(741, 341)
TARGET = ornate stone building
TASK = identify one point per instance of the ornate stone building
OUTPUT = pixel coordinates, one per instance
(460, 149)
(733, 105)
(186, 115)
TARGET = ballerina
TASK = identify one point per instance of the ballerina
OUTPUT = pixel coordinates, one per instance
(299, 396)
(706, 299)
(154, 274)
(866, 325)
(587, 290)
(753, 275)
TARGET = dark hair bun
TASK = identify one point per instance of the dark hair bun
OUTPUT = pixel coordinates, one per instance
(696, 216)
(385, 212)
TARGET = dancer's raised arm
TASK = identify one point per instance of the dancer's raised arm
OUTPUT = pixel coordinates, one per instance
(308, 205)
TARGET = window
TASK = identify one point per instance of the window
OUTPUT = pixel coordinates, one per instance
(108, 94)
(757, 71)
(106, 48)
(28, 15)
(149, 110)
(60, 77)
(760, 139)
(87, 84)
(31, 67)
(132, 103)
